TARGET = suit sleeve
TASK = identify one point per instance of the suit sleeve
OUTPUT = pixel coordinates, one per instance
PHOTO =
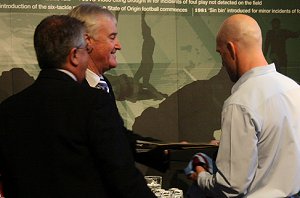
(112, 152)
(155, 159)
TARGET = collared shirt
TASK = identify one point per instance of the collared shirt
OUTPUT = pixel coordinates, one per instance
(259, 152)
(92, 78)
(68, 73)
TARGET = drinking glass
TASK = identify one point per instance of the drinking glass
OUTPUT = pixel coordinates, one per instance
(154, 182)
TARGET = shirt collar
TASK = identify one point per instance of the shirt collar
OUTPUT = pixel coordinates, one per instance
(256, 71)
(92, 78)
(68, 73)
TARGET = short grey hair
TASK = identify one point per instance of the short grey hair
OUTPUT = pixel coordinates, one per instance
(89, 14)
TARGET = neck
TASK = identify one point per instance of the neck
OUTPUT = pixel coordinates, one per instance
(93, 67)
(95, 70)
(251, 59)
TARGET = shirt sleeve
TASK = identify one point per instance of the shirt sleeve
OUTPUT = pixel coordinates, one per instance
(237, 155)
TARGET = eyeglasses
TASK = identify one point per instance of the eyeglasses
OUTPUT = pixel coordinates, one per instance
(87, 48)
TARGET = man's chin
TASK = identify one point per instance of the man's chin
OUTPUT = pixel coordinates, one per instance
(111, 66)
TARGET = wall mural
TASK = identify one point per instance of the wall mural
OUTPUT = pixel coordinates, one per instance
(169, 83)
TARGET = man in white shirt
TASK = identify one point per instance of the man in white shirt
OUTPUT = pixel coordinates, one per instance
(259, 151)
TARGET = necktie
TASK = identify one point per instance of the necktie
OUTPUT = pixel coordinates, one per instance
(102, 85)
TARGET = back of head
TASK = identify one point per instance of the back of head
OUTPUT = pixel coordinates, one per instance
(54, 37)
(239, 42)
(243, 30)
(89, 13)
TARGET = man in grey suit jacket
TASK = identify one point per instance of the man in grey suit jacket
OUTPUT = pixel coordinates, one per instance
(61, 139)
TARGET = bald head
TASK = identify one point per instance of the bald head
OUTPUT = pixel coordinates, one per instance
(239, 42)
(241, 29)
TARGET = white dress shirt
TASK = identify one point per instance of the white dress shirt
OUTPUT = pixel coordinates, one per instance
(96, 81)
(259, 153)
(92, 78)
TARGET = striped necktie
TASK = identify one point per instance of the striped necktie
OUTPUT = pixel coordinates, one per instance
(102, 85)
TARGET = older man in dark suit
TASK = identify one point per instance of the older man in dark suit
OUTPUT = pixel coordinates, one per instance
(61, 139)
(103, 40)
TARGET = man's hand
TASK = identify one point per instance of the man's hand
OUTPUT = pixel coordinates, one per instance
(214, 142)
(199, 169)
(194, 175)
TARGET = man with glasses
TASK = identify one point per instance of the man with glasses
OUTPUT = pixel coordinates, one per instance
(54, 135)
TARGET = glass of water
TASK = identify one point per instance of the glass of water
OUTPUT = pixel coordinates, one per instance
(176, 193)
(154, 182)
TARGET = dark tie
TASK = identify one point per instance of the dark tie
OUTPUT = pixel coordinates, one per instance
(102, 85)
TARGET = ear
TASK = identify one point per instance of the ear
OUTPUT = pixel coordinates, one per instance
(73, 57)
(88, 40)
(231, 48)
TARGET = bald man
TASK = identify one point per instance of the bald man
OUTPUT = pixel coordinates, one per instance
(259, 153)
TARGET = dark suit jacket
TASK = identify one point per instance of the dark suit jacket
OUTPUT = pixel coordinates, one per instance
(156, 159)
(60, 139)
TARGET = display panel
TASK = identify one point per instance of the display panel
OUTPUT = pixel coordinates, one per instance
(169, 82)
